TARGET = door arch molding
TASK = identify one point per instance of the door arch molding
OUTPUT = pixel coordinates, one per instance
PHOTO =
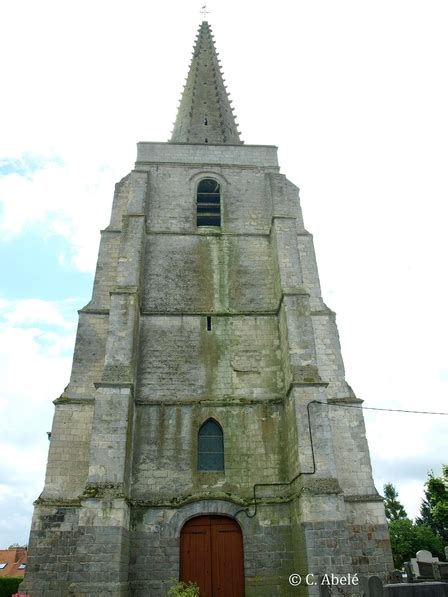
(201, 508)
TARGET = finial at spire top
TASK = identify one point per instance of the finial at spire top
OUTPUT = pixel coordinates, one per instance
(204, 12)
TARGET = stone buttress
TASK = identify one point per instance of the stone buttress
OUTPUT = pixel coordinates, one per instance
(188, 323)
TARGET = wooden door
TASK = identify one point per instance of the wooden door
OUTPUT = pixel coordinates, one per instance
(211, 554)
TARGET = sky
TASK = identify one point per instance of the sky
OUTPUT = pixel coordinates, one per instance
(353, 92)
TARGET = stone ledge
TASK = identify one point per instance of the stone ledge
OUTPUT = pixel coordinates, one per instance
(218, 403)
(114, 384)
(326, 312)
(57, 503)
(208, 232)
(182, 500)
(90, 311)
(103, 490)
(114, 230)
(68, 400)
(322, 487)
(204, 166)
(373, 497)
(347, 400)
(124, 290)
(209, 313)
(203, 155)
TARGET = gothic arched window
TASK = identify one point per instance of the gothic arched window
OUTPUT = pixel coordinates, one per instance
(210, 447)
(208, 203)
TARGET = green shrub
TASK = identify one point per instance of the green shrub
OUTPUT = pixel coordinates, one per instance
(9, 585)
(182, 589)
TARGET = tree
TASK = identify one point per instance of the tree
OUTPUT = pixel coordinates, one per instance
(434, 508)
(406, 538)
(394, 508)
(425, 515)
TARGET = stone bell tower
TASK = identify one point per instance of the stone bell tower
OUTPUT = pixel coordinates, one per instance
(207, 431)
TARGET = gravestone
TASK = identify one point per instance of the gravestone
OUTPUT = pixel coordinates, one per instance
(425, 556)
(395, 576)
(375, 587)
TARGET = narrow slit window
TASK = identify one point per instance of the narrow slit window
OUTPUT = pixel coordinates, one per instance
(208, 203)
(209, 324)
(210, 447)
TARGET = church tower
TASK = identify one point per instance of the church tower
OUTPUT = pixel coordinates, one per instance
(207, 431)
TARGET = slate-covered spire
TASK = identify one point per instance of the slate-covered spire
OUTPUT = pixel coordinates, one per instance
(204, 114)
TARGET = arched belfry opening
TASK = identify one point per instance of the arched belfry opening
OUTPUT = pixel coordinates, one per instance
(210, 447)
(208, 203)
(211, 555)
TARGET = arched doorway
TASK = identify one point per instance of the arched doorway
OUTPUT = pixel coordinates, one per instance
(211, 554)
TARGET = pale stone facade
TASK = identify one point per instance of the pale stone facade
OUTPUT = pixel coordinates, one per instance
(122, 473)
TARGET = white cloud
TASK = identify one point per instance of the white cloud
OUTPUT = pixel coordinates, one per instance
(28, 311)
(37, 356)
(67, 200)
(36, 342)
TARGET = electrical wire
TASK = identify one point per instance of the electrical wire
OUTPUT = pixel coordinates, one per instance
(392, 410)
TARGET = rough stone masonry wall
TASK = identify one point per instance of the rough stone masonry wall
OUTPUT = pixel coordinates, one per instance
(165, 467)
(106, 270)
(51, 551)
(88, 358)
(246, 206)
(70, 555)
(208, 273)
(68, 456)
(239, 358)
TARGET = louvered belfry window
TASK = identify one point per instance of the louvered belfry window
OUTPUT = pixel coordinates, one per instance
(208, 203)
(210, 447)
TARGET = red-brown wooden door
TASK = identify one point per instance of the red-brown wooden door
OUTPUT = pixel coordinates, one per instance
(211, 554)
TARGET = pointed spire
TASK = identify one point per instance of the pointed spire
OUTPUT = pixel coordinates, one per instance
(204, 114)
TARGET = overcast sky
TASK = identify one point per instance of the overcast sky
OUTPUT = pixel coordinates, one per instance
(354, 94)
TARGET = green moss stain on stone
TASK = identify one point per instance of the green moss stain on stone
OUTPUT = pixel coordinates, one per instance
(219, 259)
(203, 294)
(137, 517)
(233, 278)
(209, 355)
(178, 440)
(162, 433)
